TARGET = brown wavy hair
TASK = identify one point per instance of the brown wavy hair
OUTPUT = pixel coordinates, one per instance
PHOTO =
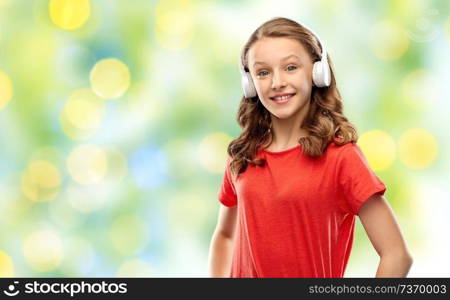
(325, 122)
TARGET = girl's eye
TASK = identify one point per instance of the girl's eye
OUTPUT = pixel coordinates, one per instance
(262, 73)
(265, 73)
(292, 68)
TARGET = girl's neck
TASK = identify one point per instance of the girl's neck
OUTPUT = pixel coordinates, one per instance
(285, 133)
(286, 141)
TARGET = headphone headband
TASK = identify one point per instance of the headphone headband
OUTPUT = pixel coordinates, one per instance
(323, 54)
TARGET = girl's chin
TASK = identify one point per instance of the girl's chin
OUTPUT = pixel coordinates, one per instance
(281, 116)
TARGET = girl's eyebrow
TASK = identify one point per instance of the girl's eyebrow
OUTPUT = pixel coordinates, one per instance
(284, 58)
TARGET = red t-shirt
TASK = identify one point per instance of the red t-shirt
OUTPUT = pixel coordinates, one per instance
(296, 215)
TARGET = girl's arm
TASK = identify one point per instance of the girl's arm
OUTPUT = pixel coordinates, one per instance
(221, 248)
(384, 233)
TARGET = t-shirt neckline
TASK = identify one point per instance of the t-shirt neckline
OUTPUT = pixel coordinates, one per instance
(282, 151)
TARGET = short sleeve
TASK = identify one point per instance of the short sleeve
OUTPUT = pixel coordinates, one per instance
(227, 192)
(356, 180)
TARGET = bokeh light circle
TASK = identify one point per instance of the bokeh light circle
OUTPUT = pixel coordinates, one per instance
(43, 250)
(44, 174)
(6, 89)
(174, 22)
(41, 181)
(212, 152)
(379, 148)
(388, 40)
(69, 14)
(82, 114)
(110, 78)
(6, 265)
(418, 148)
(85, 199)
(87, 164)
(84, 110)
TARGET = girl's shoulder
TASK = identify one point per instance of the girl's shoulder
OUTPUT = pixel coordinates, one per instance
(348, 153)
(336, 144)
(337, 150)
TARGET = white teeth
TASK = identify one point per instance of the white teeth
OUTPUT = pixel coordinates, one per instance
(282, 98)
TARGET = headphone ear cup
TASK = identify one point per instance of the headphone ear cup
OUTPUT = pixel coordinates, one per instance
(321, 74)
(317, 74)
(248, 86)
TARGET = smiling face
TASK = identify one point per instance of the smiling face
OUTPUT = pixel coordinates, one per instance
(281, 70)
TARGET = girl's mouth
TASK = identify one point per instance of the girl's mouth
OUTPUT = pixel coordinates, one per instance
(283, 99)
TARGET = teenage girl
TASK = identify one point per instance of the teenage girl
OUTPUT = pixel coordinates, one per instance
(295, 178)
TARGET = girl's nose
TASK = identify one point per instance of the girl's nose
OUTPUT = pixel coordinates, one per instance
(277, 82)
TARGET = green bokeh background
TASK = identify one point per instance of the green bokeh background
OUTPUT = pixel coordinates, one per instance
(154, 210)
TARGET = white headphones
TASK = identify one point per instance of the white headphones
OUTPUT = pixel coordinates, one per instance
(321, 74)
